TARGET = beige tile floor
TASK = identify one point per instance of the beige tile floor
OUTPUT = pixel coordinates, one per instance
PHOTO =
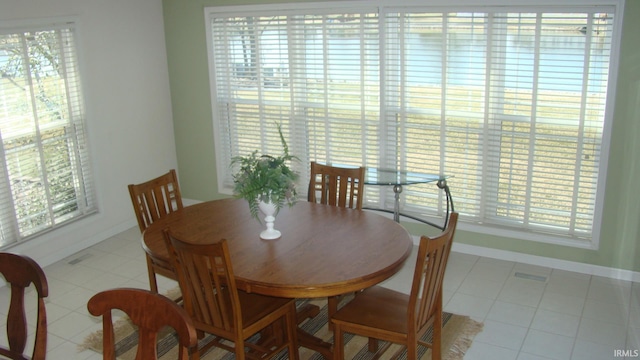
(529, 312)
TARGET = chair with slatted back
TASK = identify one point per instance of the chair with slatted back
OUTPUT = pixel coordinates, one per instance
(150, 313)
(381, 313)
(20, 272)
(338, 186)
(153, 200)
(217, 307)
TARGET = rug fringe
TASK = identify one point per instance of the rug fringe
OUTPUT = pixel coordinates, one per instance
(93, 341)
(459, 347)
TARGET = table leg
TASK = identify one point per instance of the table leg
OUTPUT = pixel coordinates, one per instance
(309, 341)
(318, 345)
(397, 190)
(442, 184)
(307, 311)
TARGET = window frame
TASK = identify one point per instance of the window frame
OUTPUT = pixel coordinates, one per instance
(519, 6)
(75, 137)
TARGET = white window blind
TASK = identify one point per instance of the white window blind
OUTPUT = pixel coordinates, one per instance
(509, 102)
(44, 166)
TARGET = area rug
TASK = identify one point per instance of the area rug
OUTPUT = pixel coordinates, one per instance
(458, 333)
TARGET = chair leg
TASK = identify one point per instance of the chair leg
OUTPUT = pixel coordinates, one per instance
(195, 353)
(373, 344)
(412, 349)
(153, 283)
(239, 345)
(436, 344)
(332, 308)
(338, 345)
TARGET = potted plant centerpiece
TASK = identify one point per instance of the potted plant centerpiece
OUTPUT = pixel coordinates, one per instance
(267, 183)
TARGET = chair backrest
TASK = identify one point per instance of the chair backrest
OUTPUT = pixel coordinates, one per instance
(155, 198)
(150, 312)
(426, 288)
(338, 186)
(20, 272)
(207, 283)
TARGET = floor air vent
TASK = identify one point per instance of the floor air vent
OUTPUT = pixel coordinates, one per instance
(80, 258)
(530, 276)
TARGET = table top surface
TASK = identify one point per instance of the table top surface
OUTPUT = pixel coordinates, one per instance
(376, 176)
(323, 251)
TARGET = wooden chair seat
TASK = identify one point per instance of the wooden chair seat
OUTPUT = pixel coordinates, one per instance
(20, 272)
(255, 307)
(380, 313)
(379, 308)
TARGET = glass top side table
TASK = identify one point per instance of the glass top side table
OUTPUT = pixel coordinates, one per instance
(398, 179)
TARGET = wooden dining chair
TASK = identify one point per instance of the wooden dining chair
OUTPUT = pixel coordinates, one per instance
(337, 186)
(20, 272)
(381, 313)
(153, 200)
(149, 312)
(217, 307)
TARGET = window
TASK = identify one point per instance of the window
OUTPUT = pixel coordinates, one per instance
(44, 167)
(510, 102)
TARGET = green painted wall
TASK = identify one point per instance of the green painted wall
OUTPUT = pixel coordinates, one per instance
(190, 96)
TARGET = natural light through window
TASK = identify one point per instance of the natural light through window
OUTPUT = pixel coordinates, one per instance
(509, 102)
(45, 180)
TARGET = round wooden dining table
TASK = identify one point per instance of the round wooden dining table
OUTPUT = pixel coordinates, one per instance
(323, 251)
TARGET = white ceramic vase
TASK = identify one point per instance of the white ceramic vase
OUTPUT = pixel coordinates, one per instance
(269, 210)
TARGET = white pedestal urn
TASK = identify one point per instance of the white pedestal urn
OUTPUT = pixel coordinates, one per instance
(269, 210)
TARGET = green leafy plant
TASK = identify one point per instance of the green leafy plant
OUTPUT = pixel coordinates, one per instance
(265, 178)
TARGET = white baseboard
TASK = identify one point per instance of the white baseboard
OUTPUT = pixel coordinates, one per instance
(187, 202)
(619, 274)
